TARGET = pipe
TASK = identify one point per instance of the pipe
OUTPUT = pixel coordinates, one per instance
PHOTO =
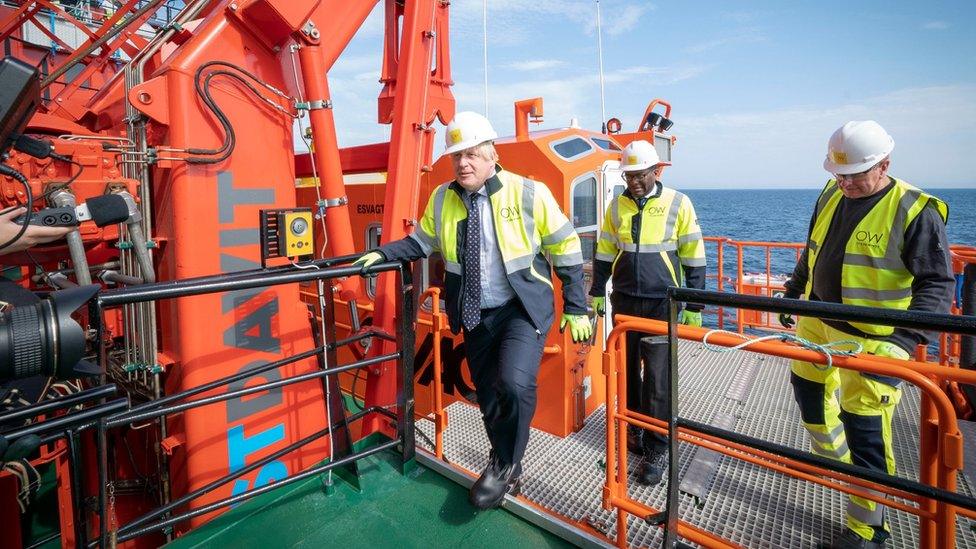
(65, 199)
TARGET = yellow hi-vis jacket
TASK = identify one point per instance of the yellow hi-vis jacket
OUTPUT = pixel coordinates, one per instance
(528, 224)
(873, 273)
(652, 248)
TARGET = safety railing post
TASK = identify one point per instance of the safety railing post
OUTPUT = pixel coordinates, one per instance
(739, 275)
(671, 509)
(405, 314)
(721, 280)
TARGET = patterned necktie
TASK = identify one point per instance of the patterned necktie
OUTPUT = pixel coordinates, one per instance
(471, 299)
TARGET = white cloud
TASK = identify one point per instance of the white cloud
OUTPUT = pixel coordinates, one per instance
(512, 22)
(742, 36)
(786, 147)
(935, 25)
(535, 65)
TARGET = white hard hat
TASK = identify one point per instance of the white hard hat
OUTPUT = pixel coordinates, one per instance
(640, 155)
(856, 147)
(467, 130)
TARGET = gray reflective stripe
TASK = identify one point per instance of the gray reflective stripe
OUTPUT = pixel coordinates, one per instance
(825, 197)
(606, 257)
(896, 236)
(669, 227)
(439, 196)
(875, 295)
(615, 214)
(865, 515)
(567, 260)
(518, 263)
(608, 238)
(649, 248)
(693, 261)
(528, 205)
(426, 243)
(827, 438)
(885, 263)
(812, 245)
(452, 267)
(562, 233)
(690, 237)
(837, 454)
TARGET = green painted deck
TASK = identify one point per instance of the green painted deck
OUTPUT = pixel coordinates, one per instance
(421, 509)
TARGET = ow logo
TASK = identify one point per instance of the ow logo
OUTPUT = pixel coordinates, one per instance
(511, 213)
(656, 210)
(869, 238)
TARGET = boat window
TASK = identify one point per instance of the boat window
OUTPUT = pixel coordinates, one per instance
(572, 147)
(662, 144)
(605, 143)
(584, 214)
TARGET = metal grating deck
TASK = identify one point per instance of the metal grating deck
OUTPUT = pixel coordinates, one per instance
(748, 505)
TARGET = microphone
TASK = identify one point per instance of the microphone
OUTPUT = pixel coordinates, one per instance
(107, 209)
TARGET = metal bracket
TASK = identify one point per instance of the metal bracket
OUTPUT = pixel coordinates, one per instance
(333, 202)
(313, 105)
(310, 30)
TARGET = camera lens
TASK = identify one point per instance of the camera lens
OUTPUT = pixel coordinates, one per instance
(43, 339)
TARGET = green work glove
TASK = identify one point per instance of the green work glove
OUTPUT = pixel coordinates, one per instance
(690, 318)
(600, 305)
(579, 326)
(890, 350)
(785, 319)
(367, 260)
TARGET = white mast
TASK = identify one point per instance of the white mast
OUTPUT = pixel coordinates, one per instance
(484, 32)
(599, 41)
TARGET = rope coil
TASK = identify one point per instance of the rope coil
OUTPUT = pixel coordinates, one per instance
(829, 350)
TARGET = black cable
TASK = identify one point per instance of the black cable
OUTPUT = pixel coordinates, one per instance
(204, 91)
(7, 170)
(61, 186)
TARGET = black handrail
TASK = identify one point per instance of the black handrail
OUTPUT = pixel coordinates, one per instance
(890, 317)
(320, 270)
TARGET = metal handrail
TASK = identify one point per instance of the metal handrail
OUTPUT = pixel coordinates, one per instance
(935, 491)
(172, 404)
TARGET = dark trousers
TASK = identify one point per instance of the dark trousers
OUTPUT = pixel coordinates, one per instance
(647, 371)
(503, 354)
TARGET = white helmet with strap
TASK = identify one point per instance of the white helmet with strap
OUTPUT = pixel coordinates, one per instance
(857, 147)
(467, 130)
(639, 155)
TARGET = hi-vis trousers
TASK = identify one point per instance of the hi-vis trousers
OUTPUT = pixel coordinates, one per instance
(857, 428)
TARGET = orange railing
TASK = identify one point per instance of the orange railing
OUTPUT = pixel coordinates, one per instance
(721, 281)
(764, 284)
(940, 446)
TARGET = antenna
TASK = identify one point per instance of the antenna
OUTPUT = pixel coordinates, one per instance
(599, 42)
(484, 32)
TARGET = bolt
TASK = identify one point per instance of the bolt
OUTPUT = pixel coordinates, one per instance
(233, 7)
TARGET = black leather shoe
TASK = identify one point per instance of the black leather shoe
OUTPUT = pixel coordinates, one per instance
(497, 480)
(850, 540)
(634, 440)
(652, 469)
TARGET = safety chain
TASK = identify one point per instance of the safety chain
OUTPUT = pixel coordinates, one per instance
(829, 350)
(113, 524)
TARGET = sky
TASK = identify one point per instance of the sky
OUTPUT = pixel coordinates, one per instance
(756, 87)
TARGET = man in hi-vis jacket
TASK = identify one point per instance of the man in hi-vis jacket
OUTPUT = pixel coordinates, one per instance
(494, 230)
(650, 240)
